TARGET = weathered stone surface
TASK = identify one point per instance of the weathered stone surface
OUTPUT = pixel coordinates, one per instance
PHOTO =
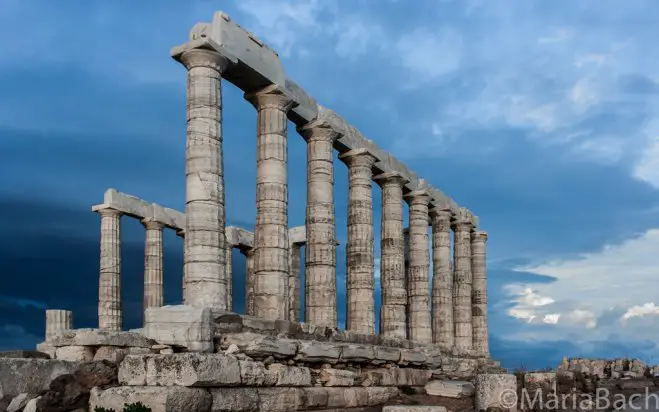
(159, 399)
(416, 408)
(291, 375)
(385, 354)
(153, 263)
(395, 377)
(257, 345)
(337, 377)
(235, 399)
(357, 353)
(310, 351)
(31, 405)
(91, 374)
(442, 283)
(100, 337)
(543, 382)
(479, 293)
(46, 349)
(184, 326)
(495, 390)
(75, 353)
(24, 354)
(279, 399)
(109, 284)
(412, 357)
(450, 388)
(18, 402)
(180, 369)
(462, 281)
(256, 374)
(30, 375)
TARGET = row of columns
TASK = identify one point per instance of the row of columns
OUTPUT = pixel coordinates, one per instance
(406, 305)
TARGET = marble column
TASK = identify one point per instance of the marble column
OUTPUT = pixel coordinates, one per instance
(418, 281)
(204, 256)
(109, 288)
(153, 264)
(271, 248)
(294, 284)
(462, 280)
(249, 280)
(320, 253)
(57, 321)
(442, 279)
(360, 310)
(181, 233)
(392, 265)
(479, 293)
(229, 275)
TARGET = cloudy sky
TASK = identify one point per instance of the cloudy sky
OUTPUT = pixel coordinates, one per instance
(542, 117)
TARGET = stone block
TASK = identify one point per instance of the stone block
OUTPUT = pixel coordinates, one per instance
(378, 396)
(47, 349)
(182, 326)
(279, 399)
(314, 351)
(260, 346)
(111, 353)
(417, 408)
(132, 370)
(395, 377)
(357, 353)
(337, 377)
(99, 337)
(159, 399)
(450, 388)
(291, 375)
(75, 353)
(235, 399)
(495, 391)
(255, 374)
(19, 402)
(384, 354)
(412, 357)
(30, 375)
(191, 369)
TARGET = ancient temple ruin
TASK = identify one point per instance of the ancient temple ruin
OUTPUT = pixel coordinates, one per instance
(267, 358)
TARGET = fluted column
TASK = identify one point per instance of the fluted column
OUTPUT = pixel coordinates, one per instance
(360, 311)
(57, 321)
(294, 284)
(204, 256)
(153, 264)
(249, 280)
(479, 293)
(320, 253)
(271, 248)
(392, 265)
(109, 288)
(442, 279)
(229, 275)
(462, 281)
(418, 282)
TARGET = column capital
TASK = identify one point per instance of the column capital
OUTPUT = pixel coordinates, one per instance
(203, 58)
(441, 213)
(152, 224)
(463, 219)
(390, 178)
(479, 236)
(106, 211)
(316, 131)
(420, 196)
(358, 157)
(272, 96)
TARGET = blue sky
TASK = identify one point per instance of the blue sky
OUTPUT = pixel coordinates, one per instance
(539, 116)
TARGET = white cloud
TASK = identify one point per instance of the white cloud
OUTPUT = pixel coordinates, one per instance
(428, 53)
(615, 282)
(647, 167)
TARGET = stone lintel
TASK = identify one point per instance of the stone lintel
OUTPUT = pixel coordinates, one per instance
(140, 209)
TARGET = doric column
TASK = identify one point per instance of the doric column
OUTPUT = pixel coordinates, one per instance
(109, 288)
(462, 280)
(360, 311)
(249, 280)
(181, 233)
(294, 284)
(320, 252)
(442, 279)
(229, 275)
(153, 265)
(57, 321)
(392, 265)
(479, 293)
(204, 256)
(271, 246)
(418, 282)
